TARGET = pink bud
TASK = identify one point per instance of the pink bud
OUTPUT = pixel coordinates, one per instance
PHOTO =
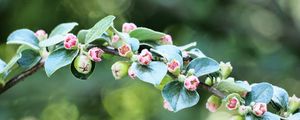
(95, 53)
(127, 27)
(259, 109)
(145, 57)
(167, 106)
(166, 40)
(191, 83)
(131, 74)
(233, 103)
(115, 38)
(70, 41)
(124, 50)
(173, 66)
(41, 34)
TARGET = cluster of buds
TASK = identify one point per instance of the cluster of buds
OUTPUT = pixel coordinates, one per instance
(70, 41)
(259, 109)
(128, 27)
(145, 57)
(120, 69)
(174, 67)
(41, 35)
(213, 103)
(125, 50)
(166, 40)
(95, 54)
(225, 69)
(167, 105)
(191, 83)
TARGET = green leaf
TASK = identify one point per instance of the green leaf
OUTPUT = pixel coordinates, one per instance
(29, 59)
(270, 116)
(142, 33)
(164, 82)
(280, 97)
(52, 41)
(24, 37)
(295, 117)
(134, 43)
(179, 97)
(99, 28)
(82, 35)
(58, 59)
(261, 92)
(4, 74)
(196, 53)
(170, 52)
(152, 73)
(203, 66)
(63, 29)
(229, 87)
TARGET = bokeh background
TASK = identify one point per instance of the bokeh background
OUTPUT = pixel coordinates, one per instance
(261, 39)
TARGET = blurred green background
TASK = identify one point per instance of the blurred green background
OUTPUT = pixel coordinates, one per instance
(261, 39)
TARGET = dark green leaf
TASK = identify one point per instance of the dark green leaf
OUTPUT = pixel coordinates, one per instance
(24, 37)
(58, 59)
(261, 92)
(146, 34)
(63, 29)
(52, 41)
(152, 73)
(203, 66)
(179, 97)
(99, 28)
(29, 59)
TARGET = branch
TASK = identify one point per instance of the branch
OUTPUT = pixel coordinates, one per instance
(212, 90)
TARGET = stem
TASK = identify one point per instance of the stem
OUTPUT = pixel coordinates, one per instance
(212, 90)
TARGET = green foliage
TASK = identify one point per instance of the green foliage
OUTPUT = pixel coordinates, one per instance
(261, 92)
(29, 59)
(228, 87)
(179, 97)
(203, 66)
(52, 41)
(142, 34)
(24, 37)
(280, 97)
(294, 117)
(62, 29)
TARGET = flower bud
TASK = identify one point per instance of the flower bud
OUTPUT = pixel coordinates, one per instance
(95, 54)
(70, 41)
(294, 104)
(259, 109)
(167, 106)
(232, 103)
(236, 117)
(128, 27)
(225, 69)
(166, 40)
(181, 78)
(131, 74)
(174, 67)
(209, 81)
(213, 103)
(145, 57)
(83, 64)
(125, 50)
(41, 35)
(243, 110)
(191, 83)
(190, 72)
(115, 38)
(120, 69)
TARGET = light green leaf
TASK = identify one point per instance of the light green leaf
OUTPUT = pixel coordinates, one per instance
(229, 87)
(270, 116)
(99, 28)
(196, 53)
(58, 59)
(295, 117)
(179, 97)
(152, 73)
(203, 66)
(142, 33)
(81, 35)
(52, 41)
(280, 97)
(134, 43)
(63, 29)
(24, 37)
(261, 92)
(170, 52)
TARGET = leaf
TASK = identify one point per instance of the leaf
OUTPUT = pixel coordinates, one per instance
(280, 97)
(229, 87)
(261, 92)
(58, 59)
(295, 117)
(164, 82)
(82, 35)
(179, 97)
(62, 29)
(29, 59)
(4, 74)
(24, 37)
(270, 116)
(196, 53)
(170, 52)
(152, 73)
(134, 43)
(142, 33)
(203, 66)
(99, 28)
(52, 41)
